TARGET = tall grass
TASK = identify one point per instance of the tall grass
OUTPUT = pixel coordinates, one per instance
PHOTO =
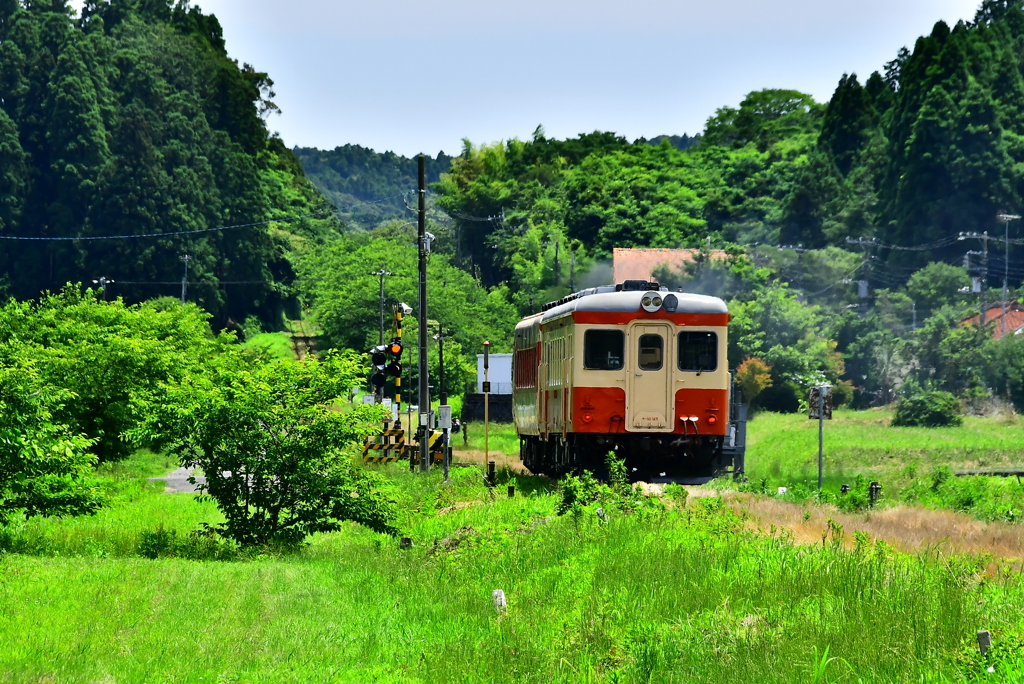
(666, 594)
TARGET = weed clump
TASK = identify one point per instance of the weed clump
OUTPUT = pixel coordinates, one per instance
(928, 408)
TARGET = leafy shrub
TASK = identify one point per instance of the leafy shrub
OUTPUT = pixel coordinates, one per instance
(107, 355)
(928, 408)
(271, 443)
(576, 492)
(784, 398)
(45, 469)
(205, 543)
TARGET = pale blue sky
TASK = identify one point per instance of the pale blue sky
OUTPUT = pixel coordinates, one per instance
(420, 76)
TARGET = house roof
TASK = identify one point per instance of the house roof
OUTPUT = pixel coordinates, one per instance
(640, 264)
(993, 319)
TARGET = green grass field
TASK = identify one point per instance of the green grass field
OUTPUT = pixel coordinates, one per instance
(665, 594)
(913, 464)
(278, 345)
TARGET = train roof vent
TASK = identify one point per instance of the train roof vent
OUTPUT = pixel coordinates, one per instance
(637, 286)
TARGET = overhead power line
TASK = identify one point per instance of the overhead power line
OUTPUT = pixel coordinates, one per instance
(284, 219)
(255, 224)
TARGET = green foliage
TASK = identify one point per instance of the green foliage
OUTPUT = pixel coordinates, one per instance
(345, 302)
(105, 356)
(937, 285)
(134, 120)
(272, 446)
(44, 467)
(928, 408)
(771, 605)
(367, 187)
(763, 118)
(576, 492)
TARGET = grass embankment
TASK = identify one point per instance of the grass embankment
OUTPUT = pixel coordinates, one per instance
(668, 593)
(914, 465)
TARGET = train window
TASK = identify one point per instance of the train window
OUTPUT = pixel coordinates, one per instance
(652, 349)
(603, 349)
(698, 351)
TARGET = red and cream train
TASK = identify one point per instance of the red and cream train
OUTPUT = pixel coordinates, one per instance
(631, 368)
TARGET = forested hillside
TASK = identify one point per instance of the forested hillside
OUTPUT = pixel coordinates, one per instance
(132, 119)
(367, 187)
(928, 146)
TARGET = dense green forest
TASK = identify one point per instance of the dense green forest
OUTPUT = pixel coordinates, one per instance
(132, 119)
(925, 148)
(368, 187)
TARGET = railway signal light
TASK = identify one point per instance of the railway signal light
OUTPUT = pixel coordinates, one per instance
(379, 359)
(394, 363)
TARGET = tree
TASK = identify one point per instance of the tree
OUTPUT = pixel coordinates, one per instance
(753, 376)
(344, 297)
(44, 466)
(937, 285)
(107, 356)
(13, 174)
(273, 446)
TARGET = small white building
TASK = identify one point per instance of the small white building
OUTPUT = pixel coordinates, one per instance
(500, 373)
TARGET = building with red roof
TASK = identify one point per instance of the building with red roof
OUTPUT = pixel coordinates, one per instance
(994, 320)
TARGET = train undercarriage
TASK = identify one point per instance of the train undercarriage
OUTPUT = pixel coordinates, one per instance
(683, 459)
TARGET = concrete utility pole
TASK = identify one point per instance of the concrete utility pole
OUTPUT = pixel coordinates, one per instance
(184, 279)
(424, 373)
(382, 273)
(863, 286)
(984, 237)
(1005, 219)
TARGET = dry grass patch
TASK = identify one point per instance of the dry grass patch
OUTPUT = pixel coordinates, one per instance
(908, 529)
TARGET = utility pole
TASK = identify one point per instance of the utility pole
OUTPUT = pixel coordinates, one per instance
(863, 286)
(572, 269)
(984, 237)
(424, 249)
(558, 243)
(184, 279)
(1005, 219)
(382, 273)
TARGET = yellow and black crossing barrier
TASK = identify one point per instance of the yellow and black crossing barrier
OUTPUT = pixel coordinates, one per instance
(391, 446)
(388, 447)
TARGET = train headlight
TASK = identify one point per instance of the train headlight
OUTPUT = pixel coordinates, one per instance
(671, 303)
(651, 302)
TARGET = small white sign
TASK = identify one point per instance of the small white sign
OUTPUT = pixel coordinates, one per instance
(368, 398)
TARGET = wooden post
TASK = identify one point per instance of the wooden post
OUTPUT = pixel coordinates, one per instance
(487, 400)
(984, 641)
(492, 477)
(511, 491)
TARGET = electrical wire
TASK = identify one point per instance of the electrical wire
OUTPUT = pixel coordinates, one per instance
(282, 219)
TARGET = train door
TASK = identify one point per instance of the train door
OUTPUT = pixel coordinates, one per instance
(649, 400)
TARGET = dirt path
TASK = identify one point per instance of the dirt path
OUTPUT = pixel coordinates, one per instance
(908, 529)
(500, 460)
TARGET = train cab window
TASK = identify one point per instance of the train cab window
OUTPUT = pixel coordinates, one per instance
(698, 351)
(652, 348)
(603, 349)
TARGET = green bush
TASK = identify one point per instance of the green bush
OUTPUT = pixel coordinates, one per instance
(272, 445)
(928, 408)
